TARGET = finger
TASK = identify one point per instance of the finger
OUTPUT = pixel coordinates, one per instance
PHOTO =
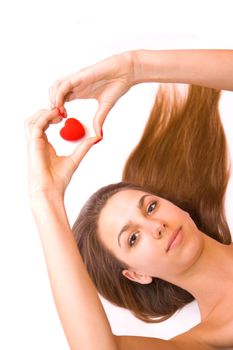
(82, 150)
(70, 96)
(41, 122)
(100, 116)
(51, 98)
(59, 91)
(61, 112)
(52, 92)
(65, 92)
(29, 122)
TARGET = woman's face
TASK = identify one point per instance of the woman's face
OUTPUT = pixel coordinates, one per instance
(137, 226)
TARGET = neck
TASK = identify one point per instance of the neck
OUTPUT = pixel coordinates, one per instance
(211, 277)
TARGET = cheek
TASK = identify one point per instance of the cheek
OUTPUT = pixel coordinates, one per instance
(155, 266)
(150, 258)
(193, 246)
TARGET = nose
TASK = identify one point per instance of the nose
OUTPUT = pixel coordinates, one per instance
(158, 230)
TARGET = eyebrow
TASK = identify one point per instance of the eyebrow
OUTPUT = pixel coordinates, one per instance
(129, 224)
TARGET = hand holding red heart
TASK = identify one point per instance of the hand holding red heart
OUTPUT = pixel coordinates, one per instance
(106, 81)
(49, 174)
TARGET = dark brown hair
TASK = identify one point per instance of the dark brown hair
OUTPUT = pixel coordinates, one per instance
(182, 157)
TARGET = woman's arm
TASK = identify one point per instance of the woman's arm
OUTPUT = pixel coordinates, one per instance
(79, 307)
(181, 342)
(209, 68)
(108, 80)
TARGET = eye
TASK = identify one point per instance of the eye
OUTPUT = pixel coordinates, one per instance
(153, 206)
(133, 238)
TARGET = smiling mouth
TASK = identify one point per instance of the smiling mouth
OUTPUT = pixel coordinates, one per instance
(172, 238)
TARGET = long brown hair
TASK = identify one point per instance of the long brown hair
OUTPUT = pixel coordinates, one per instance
(182, 157)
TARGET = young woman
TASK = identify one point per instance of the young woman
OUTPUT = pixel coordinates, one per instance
(159, 238)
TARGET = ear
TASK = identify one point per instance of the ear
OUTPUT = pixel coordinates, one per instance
(136, 277)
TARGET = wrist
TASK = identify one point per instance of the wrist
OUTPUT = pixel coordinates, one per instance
(144, 66)
(49, 211)
(155, 66)
(136, 63)
(126, 64)
(41, 197)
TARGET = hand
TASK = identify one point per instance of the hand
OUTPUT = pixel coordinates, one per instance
(106, 81)
(50, 174)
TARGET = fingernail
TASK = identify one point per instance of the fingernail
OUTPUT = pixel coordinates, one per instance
(97, 141)
(62, 115)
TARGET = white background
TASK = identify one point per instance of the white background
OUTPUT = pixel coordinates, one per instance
(42, 41)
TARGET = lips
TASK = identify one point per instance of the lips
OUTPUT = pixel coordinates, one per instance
(172, 238)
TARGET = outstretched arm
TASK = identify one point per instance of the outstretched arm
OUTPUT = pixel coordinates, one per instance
(82, 315)
(80, 310)
(209, 68)
(108, 80)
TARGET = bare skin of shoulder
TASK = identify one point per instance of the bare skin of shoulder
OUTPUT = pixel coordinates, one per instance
(214, 333)
(216, 330)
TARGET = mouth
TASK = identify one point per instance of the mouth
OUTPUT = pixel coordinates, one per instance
(173, 238)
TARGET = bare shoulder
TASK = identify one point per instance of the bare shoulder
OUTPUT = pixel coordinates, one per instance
(215, 333)
(143, 343)
(193, 339)
(212, 334)
(183, 341)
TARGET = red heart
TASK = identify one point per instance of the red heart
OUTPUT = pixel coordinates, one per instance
(73, 130)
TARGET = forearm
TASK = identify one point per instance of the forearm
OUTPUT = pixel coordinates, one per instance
(79, 307)
(209, 68)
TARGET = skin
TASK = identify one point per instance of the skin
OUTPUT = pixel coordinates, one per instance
(195, 264)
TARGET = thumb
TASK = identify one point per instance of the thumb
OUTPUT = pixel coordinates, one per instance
(82, 149)
(100, 116)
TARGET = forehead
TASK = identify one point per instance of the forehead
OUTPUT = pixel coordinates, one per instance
(118, 210)
(122, 199)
